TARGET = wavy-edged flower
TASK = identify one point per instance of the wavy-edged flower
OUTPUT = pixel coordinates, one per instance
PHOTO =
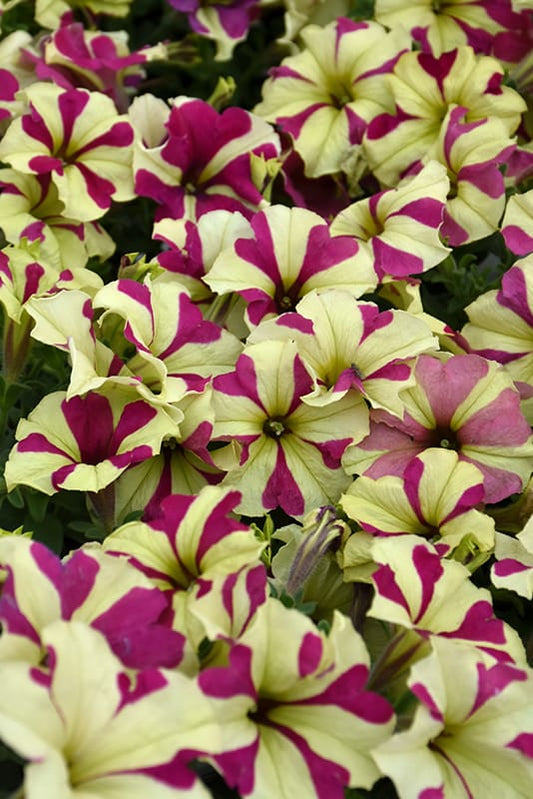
(290, 451)
(290, 254)
(192, 159)
(418, 590)
(79, 138)
(183, 466)
(473, 153)
(30, 208)
(517, 223)
(25, 275)
(190, 542)
(326, 95)
(438, 27)
(299, 13)
(72, 57)
(424, 88)
(462, 402)
(436, 497)
(226, 21)
(307, 717)
(468, 735)
(400, 227)
(89, 586)
(175, 348)
(350, 344)
(14, 73)
(513, 569)
(500, 325)
(84, 443)
(86, 727)
(192, 247)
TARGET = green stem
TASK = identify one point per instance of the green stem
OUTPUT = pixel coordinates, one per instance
(16, 346)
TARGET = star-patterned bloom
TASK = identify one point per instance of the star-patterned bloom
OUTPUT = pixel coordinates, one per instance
(350, 344)
(468, 735)
(85, 727)
(191, 159)
(325, 96)
(307, 717)
(59, 446)
(424, 89)
(400, 227)
(436, 497)
(290, 450)
(79, 138)
(291, 253)
(463, 402)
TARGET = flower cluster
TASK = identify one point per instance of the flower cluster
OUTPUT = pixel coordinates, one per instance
(267, 482)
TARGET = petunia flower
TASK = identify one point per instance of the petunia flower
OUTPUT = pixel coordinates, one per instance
(468, 735)
(305, 707)
(326, 95)
(190, 541)
(30, 208)
(226, 21)
(72, 57)
(436, 497)
(79, 138)
(517, 222)
(89, 586)
(400, 227)
(473, 154)
(290, 254)
(439, 27)
(463, 402)
(84, 443)
(84, 727)
(513, 569)
(418, 590)
(350, 344)
(424, 89)
(500, 325)
(290, 451)
(191, 159)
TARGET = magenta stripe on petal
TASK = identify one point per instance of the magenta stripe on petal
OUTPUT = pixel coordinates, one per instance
(99, 189)
(517, 240)
(329, 778)
(282, 489)
(119, 135)
(133, 418)
(387, 587)
(218, 525)
(429, 569)
(422, 693)
(508, 566)
(391, 261)
(309, 654)
(287, 72)
(513, 294)
(36, 442)
(71, 105)
(432, 793)
(79, 576)
(227, 592)
(13, 620)
(145, 684)
(33, 273)
(438, 68)
(223, 682)
(34, 126)
(256, 586)
(91, 422)
(241, 383)
(44, 164)
(479, 624)
(524, 743)
(492, 681)
(428, 211)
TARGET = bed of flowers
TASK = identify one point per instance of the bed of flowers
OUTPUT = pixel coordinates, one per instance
(266, 291)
